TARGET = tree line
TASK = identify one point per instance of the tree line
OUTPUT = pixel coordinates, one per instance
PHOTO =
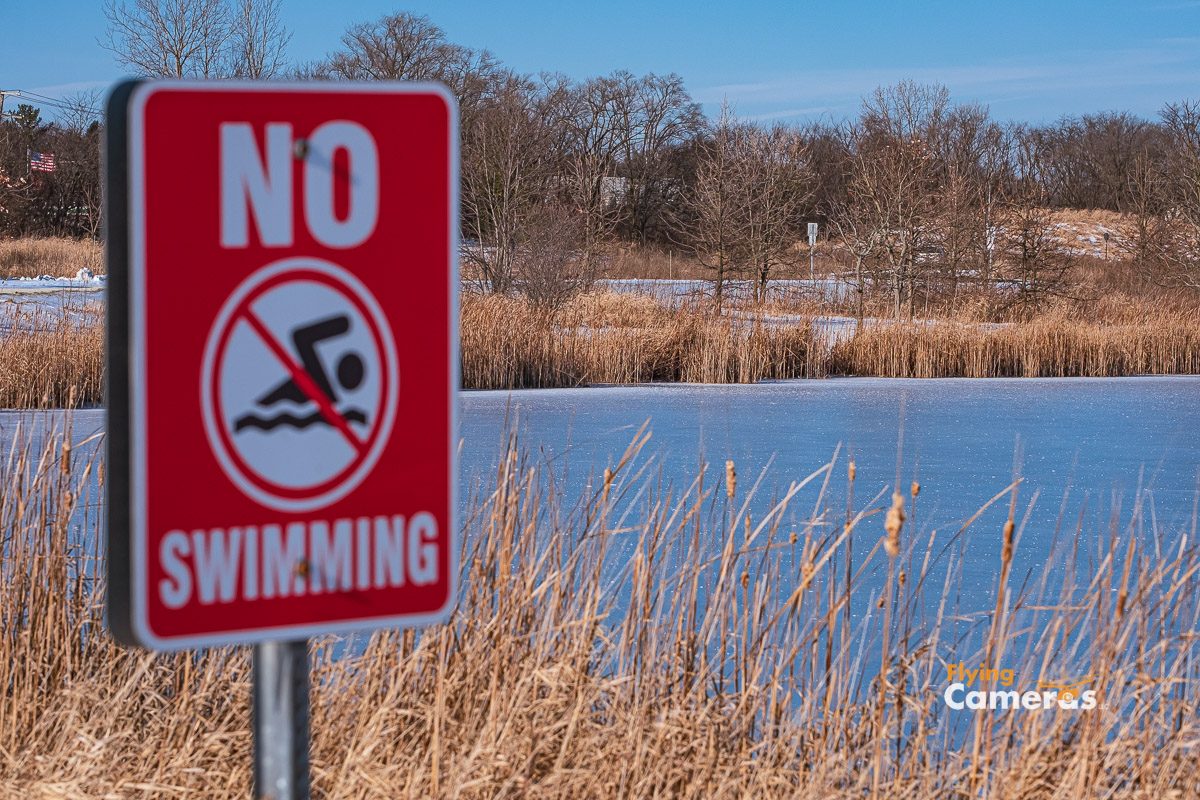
(918, 195)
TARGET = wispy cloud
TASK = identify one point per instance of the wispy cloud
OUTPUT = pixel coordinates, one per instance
(62, 90)
(791, 112)
(1164, 63)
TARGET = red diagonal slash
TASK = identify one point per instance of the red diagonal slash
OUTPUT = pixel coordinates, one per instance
(304, 381)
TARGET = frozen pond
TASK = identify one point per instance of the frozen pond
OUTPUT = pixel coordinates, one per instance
(1084, 446)
(1088, 438)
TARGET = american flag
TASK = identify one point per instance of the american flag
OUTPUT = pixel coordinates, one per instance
(42, 162)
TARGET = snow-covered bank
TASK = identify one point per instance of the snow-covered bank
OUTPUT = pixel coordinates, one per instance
(674, 291)
(84, 280)
(31, 302)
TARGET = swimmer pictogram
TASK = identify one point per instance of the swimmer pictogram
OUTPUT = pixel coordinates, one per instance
(349, 376)
(299, 385)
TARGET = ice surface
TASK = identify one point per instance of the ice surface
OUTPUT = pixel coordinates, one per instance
(1092, 441)
(1082, 447)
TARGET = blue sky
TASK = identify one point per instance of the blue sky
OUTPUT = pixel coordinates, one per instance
(1031, 61)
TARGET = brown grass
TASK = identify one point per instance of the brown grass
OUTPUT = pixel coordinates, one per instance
(51, 360)
(725, 671)
(614, 339)
(1050, 346)
(630, 261)
(58, 257)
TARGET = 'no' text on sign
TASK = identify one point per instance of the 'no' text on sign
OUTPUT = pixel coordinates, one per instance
(282, 359)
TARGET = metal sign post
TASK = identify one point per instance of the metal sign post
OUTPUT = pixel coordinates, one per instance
(812, 243)
(280, 713)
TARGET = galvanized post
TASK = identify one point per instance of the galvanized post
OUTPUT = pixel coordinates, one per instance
(280, 706)
(812, 243)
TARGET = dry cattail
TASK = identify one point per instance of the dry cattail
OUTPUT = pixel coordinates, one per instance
(1007, 553)
(747, 527)
(792, 537)
(915, 489)
(879, 603)
(608, 479)
(893, 524)
(746, 579)
(730, 480)
(807, 571)
(902, 577)
(850, 472)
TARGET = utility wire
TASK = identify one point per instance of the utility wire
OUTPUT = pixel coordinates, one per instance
(59, 104)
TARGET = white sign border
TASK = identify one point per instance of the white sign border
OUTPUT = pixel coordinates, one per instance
(139, 620)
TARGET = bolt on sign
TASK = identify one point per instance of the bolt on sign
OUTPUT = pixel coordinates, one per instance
(283, 359)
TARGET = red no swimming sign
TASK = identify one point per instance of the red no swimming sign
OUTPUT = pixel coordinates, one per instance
(282, 359)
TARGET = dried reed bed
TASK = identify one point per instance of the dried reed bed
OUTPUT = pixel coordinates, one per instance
(614, 338)
(652, 262)
(635, 642)
(58, 257)
(1049, 346)
(50, 359)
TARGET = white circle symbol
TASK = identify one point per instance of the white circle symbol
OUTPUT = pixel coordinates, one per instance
(299, 384)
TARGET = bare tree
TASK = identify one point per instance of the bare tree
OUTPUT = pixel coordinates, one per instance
(401, 46)
(772, 190)
(169, 38)
(1150, 234)
(860, 239)
(506, 172)
(1181, 124)
(963, 200)
(550, 264)
(410, 47)
(1036, 262)
(708, 217)
(258, 41)
(658, 116)
(591, 118)
(893, 178)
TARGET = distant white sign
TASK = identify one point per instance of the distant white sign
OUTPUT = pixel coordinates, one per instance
(812, 234)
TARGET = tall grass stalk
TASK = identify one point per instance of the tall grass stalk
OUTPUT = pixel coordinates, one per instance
(1046, 347)
(637, 640)
(51, 359)
(55, 256)
(507, 345)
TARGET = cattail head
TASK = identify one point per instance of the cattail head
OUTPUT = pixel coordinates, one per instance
(746, 579)
(915, 489)
(893, 525)
(747, 527)
(730, 480)
(792, 537)
(608, 479)
(902, 577)
(850, 472)
(1007, 553)
(807, 571)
